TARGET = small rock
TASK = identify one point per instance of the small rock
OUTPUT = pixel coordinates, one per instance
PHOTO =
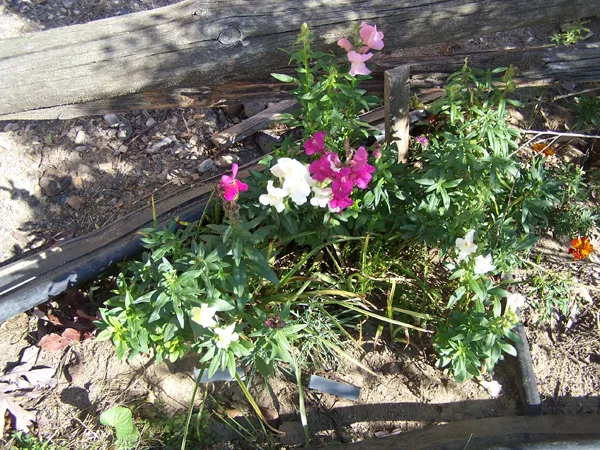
(205, 166)
(112, 120)
(53, 184)
(195, 177)
(78, 182)
(123, 149)
(76, 202)
(67, 3)
(11, 127)
(150, 122)
(227, 160)
(267, 141)
(125, 131)
(252, 108)
(81, 149)
(79, 137)
(163, 143)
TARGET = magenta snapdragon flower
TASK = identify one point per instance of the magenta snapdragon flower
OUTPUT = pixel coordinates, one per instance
(360, 170)
(325, 167)
(341, 188)
(422, 140)
(316, 144)
(231, 186)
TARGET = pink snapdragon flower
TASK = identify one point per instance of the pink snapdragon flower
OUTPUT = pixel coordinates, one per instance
(372, 38)
(357, 61)
(231, 186)
(316, 144)
(325, 167)
(422, 140)
(360, 170)
(341, 188)
(345, 44)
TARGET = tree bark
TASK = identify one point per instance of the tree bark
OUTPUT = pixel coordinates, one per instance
(211, 43)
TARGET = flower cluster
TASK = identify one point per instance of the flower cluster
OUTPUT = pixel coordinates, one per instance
(329, 170)
(205, 317)
(296, 183)
(581, 248)
(370, 39)
(465, 247)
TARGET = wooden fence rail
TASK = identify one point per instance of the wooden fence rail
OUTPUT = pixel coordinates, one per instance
(212, 52)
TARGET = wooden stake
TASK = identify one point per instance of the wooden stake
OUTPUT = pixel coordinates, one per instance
(397, 96)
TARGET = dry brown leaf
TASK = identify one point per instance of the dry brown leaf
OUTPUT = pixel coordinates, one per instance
(54, 342)
(23, 418)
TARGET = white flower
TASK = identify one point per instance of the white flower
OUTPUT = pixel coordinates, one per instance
(204, 315)
(274, 197)
(493, 387)
(225, 336)
(483, 264)
(514, 301)
(465, 246)
(322, 196)
(295, 178)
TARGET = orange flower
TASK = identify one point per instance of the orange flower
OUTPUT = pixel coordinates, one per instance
(540, 147)
(581, 248)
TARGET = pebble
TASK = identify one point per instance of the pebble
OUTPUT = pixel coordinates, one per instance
(11, 127)
(227, 160)
(252, 108)
(76, 202)
(53, 184)
(125, 131)
(80, 137)
(81, 149)
(267, 141)
(160, 144)
(67, 3)
(205, 166)
(112, 120)
(150, 122)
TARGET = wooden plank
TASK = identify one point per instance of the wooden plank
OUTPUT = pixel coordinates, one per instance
(208, 44)
(242, 130)
(397, 98)
(504, 432)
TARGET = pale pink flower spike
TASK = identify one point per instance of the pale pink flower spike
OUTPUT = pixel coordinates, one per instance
(370, 36)
(357, 61)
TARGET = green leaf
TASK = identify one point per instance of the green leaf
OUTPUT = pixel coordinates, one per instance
(122, 420)
(283, 78)
(259, 264)
(457, 274)
(104, 335)
(477, 288)
(507, 348)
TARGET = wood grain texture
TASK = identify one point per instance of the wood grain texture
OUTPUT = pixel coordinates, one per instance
(397, 97)
(209, 43)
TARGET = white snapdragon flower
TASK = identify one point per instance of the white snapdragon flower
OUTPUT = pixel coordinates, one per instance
(483, 264)
(295, 178)
(225, 336)
(205, 315)
(514, 301)
(466, 246)
(322, 196)
(274, 197)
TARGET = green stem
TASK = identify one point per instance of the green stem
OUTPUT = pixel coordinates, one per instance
(191, 407)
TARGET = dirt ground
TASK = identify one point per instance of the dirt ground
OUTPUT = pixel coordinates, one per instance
(60, 179)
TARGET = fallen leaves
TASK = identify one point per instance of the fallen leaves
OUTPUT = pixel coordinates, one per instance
(72, 323)
(21, 381)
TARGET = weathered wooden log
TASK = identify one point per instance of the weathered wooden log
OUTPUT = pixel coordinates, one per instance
(211, 43)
